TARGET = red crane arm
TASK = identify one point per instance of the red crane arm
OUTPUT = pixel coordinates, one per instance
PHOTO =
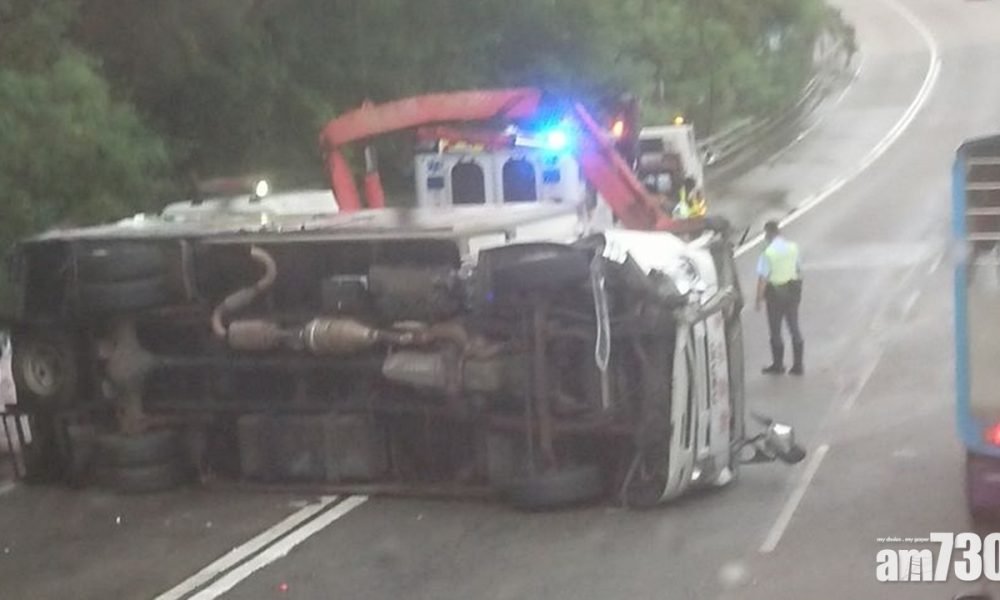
(371, 120)
(475, 105)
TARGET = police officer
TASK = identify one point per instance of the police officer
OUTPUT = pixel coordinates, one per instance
(779, 284)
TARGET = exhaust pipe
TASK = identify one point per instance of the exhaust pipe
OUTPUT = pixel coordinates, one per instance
(244, 297)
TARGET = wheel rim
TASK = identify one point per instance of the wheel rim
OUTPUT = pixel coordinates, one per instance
(43, 371)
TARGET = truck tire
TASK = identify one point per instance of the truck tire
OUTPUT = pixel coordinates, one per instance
(125, 296)
(149, 448)
(566, 487)
(44, 368)
(118, 262)
(146, 479)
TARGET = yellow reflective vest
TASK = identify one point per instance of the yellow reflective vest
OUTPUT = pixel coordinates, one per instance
(782, 262)
(690, 206)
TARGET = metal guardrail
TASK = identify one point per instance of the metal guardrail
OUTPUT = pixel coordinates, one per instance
(736, 145)
(727, 148)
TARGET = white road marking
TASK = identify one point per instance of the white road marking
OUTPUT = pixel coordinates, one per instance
(870, 368)
(785, 517)
(911, 301)
(6, 487)
(937, 263)
(278, 550)
(926, 88)
(246, 550)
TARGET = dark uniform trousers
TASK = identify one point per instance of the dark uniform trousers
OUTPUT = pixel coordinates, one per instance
(783, 305)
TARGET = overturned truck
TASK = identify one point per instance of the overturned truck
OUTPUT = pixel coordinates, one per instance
(374, 350)
(507, 350)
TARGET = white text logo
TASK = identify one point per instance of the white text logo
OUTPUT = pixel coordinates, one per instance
(967, 556)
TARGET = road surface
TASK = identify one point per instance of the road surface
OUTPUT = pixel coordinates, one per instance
(866, 195)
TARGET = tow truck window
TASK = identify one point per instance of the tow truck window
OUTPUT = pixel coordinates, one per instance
(519, 181)
(468, 184)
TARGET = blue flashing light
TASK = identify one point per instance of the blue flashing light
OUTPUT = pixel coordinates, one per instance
(556, 140)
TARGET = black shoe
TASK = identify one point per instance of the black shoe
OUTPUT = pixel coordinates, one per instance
(773, 370)
(796, 370)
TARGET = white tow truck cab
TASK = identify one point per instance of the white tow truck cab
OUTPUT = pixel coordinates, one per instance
(461, 175)
(667, 155)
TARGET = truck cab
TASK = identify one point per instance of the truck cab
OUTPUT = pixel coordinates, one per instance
(668, 154)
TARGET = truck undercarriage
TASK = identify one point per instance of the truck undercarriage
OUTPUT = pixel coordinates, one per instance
(479, 348)
(357, 359)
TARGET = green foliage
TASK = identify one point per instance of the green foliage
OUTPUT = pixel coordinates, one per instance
(70, 153)
(99, 97)
(244, 84)
(716, 60)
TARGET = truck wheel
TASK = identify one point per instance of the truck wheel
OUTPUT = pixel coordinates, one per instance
(146, 479)
(44, 368)
(118, 262)
(152, 447)
(569, 486)
(126, 296)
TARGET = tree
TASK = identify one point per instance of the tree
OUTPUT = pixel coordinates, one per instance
(69, 152)
(103, 101)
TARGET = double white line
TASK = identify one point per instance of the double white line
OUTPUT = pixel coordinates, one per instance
(241, 562)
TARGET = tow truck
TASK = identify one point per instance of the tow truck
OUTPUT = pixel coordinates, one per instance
(514, 343)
